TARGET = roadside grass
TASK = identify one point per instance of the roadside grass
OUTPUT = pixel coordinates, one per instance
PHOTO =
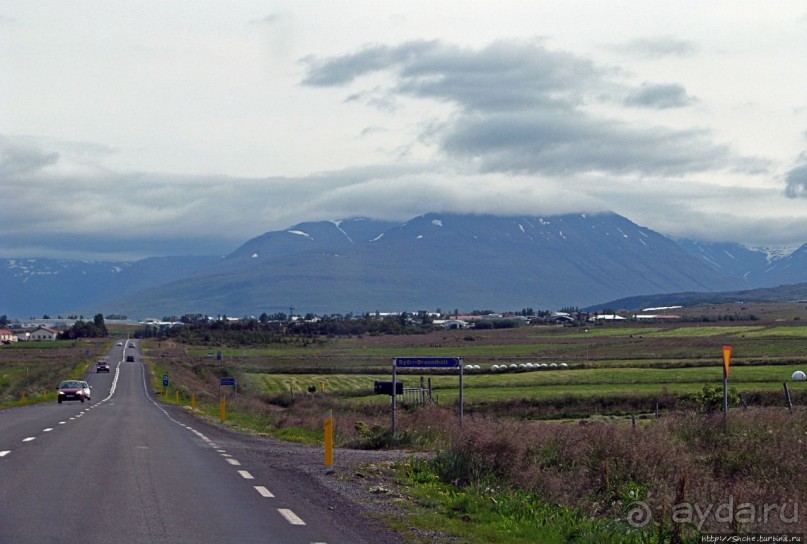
(508, 482)
(494, 515)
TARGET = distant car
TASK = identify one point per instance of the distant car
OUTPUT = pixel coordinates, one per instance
(130, 358)
(131, 345)
(74, 390)
(119, 344)
(102, 366)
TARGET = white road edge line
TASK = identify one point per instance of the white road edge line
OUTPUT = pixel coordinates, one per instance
(264, 492)
(290, 516)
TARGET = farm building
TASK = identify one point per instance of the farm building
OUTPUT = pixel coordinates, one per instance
(44, 333)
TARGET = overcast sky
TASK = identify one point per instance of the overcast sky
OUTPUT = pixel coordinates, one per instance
(147, 128)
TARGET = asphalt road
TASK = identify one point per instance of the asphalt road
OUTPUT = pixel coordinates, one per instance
(122, 468)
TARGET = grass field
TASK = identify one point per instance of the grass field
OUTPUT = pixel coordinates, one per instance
(631, 359)
(494, 386)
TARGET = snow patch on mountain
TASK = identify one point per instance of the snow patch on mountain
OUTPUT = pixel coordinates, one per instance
(775, 253)
(337, 223)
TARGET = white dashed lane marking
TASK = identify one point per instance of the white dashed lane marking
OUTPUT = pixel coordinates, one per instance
(4, 453)
(29, 439)
(290, 516)
(287, 514)
(263, 491)
(49, 429)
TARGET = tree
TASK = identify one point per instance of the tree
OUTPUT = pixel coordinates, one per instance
(83, 329)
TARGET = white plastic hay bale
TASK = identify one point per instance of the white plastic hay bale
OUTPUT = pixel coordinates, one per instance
(495, 367)
(553, 365)
(513, 366)
(544, 365)
(564, 365)
(799, 376)
(530, 366)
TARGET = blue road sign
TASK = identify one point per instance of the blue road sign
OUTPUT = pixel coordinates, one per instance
(427, 362)
(227, 381)
(165, 380)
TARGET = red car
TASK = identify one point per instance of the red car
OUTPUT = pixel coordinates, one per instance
(73, 390)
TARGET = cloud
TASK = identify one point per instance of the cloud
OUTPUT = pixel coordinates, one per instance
(659, 96)
(344, 69)
(658, 47)
(796, 180)
(520, 107)
(17, 159)
(73, 208)
(502, 76)
(566, 143)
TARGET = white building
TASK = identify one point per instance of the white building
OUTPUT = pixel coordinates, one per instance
(44, 334)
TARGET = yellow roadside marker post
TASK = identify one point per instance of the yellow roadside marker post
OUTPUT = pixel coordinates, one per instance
(726, 363)
(329, 441)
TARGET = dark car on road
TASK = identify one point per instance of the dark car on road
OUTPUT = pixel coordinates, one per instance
(130, 359)
(102, 366)
(73, 390)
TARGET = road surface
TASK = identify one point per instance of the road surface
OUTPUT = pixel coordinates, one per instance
(123, 468)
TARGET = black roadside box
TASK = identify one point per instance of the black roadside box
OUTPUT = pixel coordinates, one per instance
(385, 388)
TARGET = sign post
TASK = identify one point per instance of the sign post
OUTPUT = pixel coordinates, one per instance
(726, 363)
(424, 363)
(328, 441)
(225, 382)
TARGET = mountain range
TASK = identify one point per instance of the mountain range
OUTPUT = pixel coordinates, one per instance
(436, 260)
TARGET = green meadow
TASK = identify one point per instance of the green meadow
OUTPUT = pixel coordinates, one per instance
(487, 385)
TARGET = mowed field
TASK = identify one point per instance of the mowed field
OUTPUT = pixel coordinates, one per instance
(630, 358)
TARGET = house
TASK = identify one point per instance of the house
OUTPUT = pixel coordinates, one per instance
(44, 334)
(7, 337)
(454, 324)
